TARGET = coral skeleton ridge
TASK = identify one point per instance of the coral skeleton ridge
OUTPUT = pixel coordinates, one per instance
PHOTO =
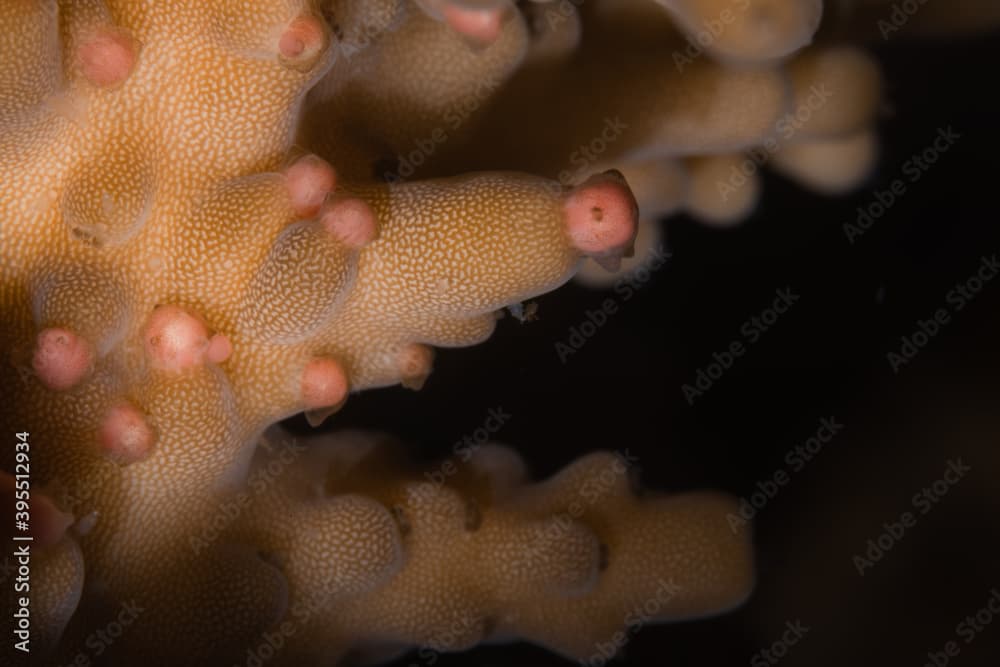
(216, 215)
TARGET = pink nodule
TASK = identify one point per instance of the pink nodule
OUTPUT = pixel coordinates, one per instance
(107, 57)
(352, 222)
(324, 383)
(124, 435)
(175, 339)
(62, 359)
(303, 36)
(601, 215)
(310, 180)
(219, 349)
(484, 25)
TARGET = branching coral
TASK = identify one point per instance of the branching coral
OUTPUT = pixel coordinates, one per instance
(217, 215)
(485, 555)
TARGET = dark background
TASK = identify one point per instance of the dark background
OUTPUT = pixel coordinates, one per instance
(826, 357)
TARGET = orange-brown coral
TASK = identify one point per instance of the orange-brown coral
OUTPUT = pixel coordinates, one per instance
(217, 215)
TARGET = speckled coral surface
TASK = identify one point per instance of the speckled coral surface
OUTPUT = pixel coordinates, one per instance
(166, 296)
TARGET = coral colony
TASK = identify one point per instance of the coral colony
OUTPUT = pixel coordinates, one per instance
(215, 215)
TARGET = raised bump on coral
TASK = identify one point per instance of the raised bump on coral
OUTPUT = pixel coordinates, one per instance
(30, 53)
(714, 197)
(396, 106)
(106, 56)
(831, 166)
(311, 179)
(684, 529)
(61, 358)
(749, 29)
(324, 383)
(415, 363)
(836, 92)
(351, 222)
(176, 340)
(302, 42)
(89, 300)
(125, 435)
(601, 217)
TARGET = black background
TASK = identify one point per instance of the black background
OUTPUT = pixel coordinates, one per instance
(826, 357)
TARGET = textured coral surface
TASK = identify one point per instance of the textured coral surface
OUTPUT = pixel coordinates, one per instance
(217, 215)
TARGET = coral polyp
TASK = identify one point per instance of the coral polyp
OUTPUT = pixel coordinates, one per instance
(217, 215)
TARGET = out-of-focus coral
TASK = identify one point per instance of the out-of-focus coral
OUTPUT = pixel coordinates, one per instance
(217, 215)
(484, 555)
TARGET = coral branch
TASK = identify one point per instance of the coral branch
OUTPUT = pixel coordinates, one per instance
(216, 215)
(562, 563)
